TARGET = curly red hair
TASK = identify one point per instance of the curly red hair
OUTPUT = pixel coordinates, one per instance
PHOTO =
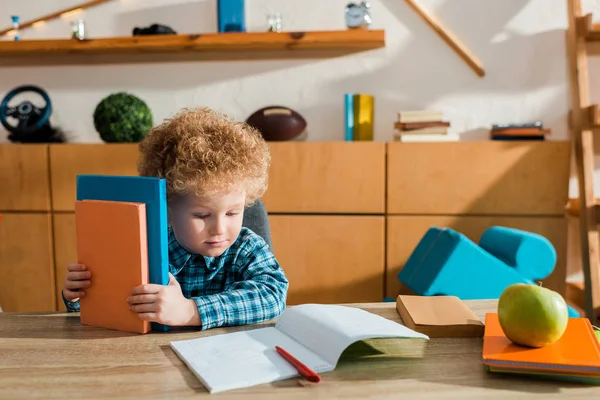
(205, 152)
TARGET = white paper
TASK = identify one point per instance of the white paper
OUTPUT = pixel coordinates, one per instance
(243, 359)
(315, 334)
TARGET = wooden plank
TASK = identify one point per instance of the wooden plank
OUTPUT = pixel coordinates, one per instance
(54, 15)
(26, 265)
(234, 45)
(24, 177)
(69, 160)
(405, 232)
(330, 259)
(587, 29)
(484, 177)
(449, 38)
(332, 177)
(573, 207)
(590, 118)
(584, 160)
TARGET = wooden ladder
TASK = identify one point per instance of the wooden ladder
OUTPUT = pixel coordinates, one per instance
(583, 40)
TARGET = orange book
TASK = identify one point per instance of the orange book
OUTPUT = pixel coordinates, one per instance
(112, 244)
(576, 353)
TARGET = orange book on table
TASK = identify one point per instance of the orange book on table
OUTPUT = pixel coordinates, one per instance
(577, 352)
(112, 244)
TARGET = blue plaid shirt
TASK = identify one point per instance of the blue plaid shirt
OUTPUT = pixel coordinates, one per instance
(244, 285)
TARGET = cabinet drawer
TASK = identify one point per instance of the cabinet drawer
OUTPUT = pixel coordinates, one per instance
(330, 259)
(69, 160)
(24, 183)
(26, 265)
(314, 177)
(404, 233)
(524, 178)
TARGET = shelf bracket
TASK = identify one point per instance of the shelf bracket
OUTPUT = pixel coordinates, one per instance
(449, 38)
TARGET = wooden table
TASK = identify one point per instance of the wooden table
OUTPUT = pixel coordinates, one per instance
(52, 356)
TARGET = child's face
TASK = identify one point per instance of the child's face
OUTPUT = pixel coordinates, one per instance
(207, 225)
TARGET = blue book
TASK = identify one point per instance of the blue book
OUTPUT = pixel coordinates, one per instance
(141, 189)
(349, 116)
(231, 16)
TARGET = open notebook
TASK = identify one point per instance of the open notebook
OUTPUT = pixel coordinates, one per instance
(315, 334)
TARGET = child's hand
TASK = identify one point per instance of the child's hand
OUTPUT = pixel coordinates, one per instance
(164, 304)
(77, 278)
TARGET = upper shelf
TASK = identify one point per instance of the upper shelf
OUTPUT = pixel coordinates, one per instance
(212, 46)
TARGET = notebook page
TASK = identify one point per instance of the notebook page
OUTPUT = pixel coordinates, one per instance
(243, 359)
(328, 329)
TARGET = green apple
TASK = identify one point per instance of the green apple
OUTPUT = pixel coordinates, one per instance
(532, 315)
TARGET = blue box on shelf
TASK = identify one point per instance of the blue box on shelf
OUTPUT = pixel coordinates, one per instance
(231, 16)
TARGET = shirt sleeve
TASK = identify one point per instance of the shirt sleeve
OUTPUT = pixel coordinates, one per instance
(72, 306)
(260, 296)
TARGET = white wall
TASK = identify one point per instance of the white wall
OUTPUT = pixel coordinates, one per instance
(520, 42)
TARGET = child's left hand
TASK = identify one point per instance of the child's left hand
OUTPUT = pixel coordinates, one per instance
(164, 304)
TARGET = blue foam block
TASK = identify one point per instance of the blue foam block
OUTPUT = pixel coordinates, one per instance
(446, 262)
(148, 190)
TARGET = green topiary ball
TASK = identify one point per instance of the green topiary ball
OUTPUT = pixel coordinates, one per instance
(122, 117)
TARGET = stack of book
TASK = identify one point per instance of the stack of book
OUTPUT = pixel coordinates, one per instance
(574, 357)
(422, 126)
(526, 131)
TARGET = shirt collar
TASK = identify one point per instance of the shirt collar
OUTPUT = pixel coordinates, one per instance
(179, 257)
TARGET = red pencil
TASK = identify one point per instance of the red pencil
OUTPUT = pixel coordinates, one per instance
(306, 372)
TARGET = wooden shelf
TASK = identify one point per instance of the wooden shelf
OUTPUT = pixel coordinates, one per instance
(213, 46)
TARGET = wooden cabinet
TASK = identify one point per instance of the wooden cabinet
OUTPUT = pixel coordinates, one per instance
(315, 177)
(344, 216)
(404, 233)
(24, 178)
(330, 258)
(495, 177)
(26, 266)
(69, 160)
(471, 186)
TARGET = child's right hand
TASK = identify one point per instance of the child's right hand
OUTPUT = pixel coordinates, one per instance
(77, 279)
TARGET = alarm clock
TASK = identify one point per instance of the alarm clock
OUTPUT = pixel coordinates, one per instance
(357, 15)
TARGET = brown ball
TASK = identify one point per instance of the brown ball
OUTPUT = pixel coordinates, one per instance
(277, 123)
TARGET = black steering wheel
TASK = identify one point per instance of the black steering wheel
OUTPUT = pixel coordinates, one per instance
(30, 118)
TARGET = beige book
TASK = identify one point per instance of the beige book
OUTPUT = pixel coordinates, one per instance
(439, 316)
(420, 116)
(421, 137)
(431, 130)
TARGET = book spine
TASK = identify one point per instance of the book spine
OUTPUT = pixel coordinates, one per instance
(159, 274)
(363, 117)
(349, 116)
(518, 138)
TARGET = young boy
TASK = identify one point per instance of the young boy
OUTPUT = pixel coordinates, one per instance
(221, 274)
